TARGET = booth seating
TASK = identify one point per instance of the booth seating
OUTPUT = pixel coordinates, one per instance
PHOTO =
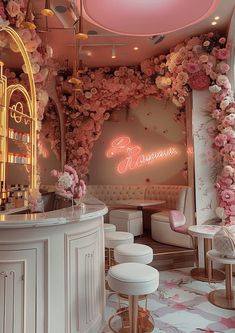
(127, 220)
(176, 197)
(133, 279)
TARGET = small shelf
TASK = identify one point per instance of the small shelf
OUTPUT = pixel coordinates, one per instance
(20, 141)
(14, 163)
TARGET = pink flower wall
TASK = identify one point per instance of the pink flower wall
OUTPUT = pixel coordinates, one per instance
(196, 63)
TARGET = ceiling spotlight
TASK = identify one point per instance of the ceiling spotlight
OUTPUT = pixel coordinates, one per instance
(216, 18)
(213, 23)
(89, 53)
(136, 48)
(28, 22)
(79, 34)
(113, 53)
(46, 11)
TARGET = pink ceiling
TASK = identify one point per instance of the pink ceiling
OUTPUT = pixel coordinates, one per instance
(147, 17)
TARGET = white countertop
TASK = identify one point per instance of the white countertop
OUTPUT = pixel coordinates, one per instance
(91, 208)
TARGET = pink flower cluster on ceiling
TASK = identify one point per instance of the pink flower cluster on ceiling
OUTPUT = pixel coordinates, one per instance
(197, 63)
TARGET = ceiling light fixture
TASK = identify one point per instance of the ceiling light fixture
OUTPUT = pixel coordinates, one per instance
(136, 48)
(74, 79)
(216, 17)
(213, 23)
(78, 24)
(46, 11)
(28, 22)
(113, 53)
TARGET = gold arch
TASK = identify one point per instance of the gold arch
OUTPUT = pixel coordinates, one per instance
(30, 97)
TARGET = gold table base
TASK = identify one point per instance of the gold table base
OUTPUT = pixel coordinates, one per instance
(145, 321)
(218, 298)
(200, 274)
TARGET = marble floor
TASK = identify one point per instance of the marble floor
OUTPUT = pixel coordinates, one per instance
(180, 305)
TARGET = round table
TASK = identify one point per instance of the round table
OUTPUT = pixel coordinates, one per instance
(224, 298)
(206, 232)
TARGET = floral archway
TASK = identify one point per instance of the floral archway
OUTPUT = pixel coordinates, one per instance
(197, 63)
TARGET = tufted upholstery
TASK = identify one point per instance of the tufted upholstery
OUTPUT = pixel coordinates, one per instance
(160, 222)
(174, 195)
(177, 197)
(111, 193)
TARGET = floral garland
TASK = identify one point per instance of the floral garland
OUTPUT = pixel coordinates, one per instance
(197, 63)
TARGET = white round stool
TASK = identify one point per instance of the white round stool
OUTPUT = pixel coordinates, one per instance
(115, 238)
(108, 227)
(133, 279)
(138, 253)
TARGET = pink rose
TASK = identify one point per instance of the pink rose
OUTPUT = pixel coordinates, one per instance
(2, 11)
(223, 54)
(228, 196)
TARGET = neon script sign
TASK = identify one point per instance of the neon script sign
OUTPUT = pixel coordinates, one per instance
(134, 158)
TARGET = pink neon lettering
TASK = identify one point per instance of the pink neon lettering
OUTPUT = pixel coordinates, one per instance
(118, 145)
(135, 159)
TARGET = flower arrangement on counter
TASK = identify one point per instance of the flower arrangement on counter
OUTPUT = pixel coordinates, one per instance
(196, 63)
(69, 185)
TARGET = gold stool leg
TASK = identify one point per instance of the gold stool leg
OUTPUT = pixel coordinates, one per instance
(133, 313)
(229, 282)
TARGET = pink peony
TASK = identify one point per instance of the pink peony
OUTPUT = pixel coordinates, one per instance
(199, 81)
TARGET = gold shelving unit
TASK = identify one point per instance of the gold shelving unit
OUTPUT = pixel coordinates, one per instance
(18, 112)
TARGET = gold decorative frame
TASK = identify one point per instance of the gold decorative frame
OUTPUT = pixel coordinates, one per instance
(17, 110)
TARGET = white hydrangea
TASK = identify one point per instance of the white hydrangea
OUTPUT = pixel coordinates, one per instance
(65, 180)
(214, 89)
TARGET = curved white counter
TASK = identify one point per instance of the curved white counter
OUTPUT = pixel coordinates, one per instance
(52, 271)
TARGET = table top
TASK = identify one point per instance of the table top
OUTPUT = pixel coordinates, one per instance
(140, 202)
(206, 231)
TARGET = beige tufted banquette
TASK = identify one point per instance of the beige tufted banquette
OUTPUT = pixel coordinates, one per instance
(176, 197)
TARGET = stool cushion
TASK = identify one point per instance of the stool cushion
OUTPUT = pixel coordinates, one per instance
(138, 253)
(115, 238)
(125, 213)
(133, 279)
(108, 227)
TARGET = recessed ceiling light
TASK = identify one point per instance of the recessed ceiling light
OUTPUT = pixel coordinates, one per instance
(89, 53)
(60, 9)
(136, 48)
(213, 23)
(216, 17)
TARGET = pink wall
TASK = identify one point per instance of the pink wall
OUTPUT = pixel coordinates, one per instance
(153, 127)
